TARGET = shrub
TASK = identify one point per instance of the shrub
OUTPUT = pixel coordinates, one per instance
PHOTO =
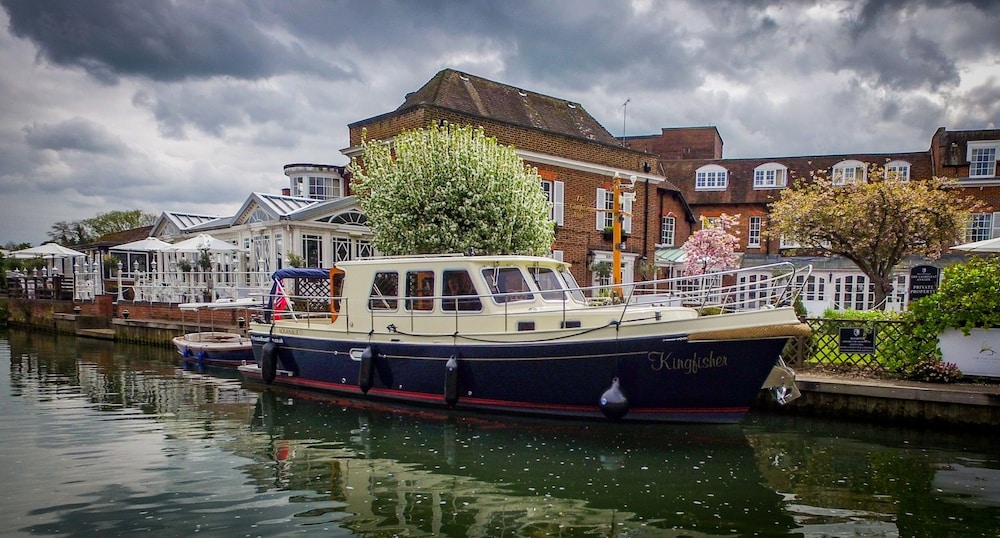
(934, 371)
(968, 298)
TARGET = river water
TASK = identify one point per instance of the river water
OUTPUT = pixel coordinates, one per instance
(113, 439)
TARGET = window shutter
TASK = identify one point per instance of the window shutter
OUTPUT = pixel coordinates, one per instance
(995, 231)
(557, 202)
(601, 196)
(627, 223)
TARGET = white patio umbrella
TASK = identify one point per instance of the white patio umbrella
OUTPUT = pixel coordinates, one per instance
(986, 245)
(149, 244)
(202, 242)
(48, 250)
(144, 246)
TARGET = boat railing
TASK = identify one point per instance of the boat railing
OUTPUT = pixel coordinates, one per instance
(736, 290)
(754, 288)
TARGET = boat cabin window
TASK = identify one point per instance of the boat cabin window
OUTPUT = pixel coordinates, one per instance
(507, 284)
(419, 290)
(459, 293)
(548, 281)
(574, 288)
(385, 291)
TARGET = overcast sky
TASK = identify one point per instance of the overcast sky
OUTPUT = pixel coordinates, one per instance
(191, 105)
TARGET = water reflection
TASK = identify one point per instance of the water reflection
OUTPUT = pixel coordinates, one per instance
(418, 472)
(113, 439)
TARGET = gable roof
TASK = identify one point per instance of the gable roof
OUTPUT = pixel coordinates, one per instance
(278, 206)
(477, 96)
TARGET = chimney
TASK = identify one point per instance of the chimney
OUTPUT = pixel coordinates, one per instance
(287, 191)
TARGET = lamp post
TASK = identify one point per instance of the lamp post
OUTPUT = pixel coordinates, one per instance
(121, 297)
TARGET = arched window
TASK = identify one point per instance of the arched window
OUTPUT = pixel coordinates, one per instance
(711, 177)
(897, 171)
(849, 172)
(770, 176)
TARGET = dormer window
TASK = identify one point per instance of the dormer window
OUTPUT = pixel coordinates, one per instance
(711, 177)
(849, 173)
(897, 171)
(982, 157)
(770, 176)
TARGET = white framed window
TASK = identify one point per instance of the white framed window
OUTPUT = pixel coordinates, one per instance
(770, 176)
(784, 243)
(982, 226)
(554, 193)
(606, 213)
(849, 172)
(897, 171)
(753, 232)
(983, 158)
(711, 177)
(667, 230)
(605, 207)
(317, 187)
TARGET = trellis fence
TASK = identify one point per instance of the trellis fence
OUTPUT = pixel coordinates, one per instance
(863, 345)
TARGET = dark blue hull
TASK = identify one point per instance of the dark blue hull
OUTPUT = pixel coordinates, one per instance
(214, 356)
(663, 379)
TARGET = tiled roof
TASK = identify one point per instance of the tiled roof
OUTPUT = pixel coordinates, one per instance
(478, 96)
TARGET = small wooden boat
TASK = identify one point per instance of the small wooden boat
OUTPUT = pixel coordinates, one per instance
(515, 334)
(217, 349)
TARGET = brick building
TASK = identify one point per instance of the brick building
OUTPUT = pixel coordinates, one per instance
(575, 155)
(691, 159)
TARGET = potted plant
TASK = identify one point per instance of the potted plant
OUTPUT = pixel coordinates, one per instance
(609, 234)
(184, 265)
(294, 259)
(964, 317)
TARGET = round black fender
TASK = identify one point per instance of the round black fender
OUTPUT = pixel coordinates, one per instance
(451, 381)
(269, 362)
(366, 372)
(614, 404)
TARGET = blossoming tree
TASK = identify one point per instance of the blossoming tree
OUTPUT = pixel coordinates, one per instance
(874, 223)
(713, 247)
(449, 188)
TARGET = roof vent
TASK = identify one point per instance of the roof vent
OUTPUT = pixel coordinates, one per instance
(571, 105)
(463, 77)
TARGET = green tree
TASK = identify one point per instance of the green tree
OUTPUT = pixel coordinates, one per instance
(448, 188)
(78, 232)
(875, 224)
(118, 221)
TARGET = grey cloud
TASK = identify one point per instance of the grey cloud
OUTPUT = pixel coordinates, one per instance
(76, 134)
(211, 109)
(165, 41)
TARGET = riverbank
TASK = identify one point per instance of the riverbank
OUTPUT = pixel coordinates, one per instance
(852, 397)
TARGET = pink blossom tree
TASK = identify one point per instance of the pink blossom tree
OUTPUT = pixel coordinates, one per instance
(713, 248)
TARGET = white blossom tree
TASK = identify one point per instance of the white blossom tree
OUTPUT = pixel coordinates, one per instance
(449, 188)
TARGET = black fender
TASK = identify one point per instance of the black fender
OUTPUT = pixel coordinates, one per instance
(269, 362)
(366, 371)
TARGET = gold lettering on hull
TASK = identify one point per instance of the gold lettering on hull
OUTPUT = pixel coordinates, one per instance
(667, 361)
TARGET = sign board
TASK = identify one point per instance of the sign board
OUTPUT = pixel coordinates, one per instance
(976, 355)
(857, 340)
(924, 281)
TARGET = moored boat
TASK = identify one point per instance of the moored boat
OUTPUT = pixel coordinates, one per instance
(515, 334)
(215, 349)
